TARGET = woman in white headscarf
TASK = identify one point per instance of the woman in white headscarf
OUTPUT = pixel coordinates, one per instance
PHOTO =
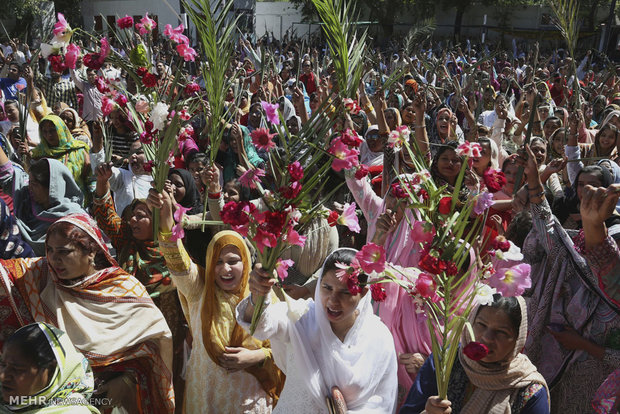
(334, 348)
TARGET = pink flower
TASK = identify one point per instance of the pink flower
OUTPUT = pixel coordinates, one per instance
(121, 100)
(61, 27)
(512, 281)
(125, 22)
(148, 166)
(73, 51)
(349, 274)
(292, 191)
(176, 35)
(282, 267)
(187, 53)
(251, 177)
(294, 238)
(105, 48)
(426, 287)
(180, 212)
(475, 351)
(483, 202)
(177, 232)
(20, 86)
(262, 139)
(494, 180)
(146, 25)
(296, 171)
(371, 258)
(271, 112)
(399, 136)
(264, 238)
(107, 106)
(349, 137)
(469, 149)
(422, 232)
(344, 157)
(184, 115)
(349, 218)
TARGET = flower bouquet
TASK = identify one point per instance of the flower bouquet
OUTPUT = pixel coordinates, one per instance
(459, 267)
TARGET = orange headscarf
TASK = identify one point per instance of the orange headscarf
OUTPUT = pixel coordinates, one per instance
(219, 326)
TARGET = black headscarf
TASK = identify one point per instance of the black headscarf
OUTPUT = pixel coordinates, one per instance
(192, 195)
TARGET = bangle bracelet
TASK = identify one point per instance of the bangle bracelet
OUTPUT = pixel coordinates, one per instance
(215, 196)
(538, 195)
(538, 188)
(420, 126)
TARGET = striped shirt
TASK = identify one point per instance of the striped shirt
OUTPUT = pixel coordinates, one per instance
(56, 92)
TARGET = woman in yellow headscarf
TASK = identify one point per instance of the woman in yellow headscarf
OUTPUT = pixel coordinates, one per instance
(228, 371)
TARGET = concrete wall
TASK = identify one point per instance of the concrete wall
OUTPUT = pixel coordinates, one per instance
(279, 17)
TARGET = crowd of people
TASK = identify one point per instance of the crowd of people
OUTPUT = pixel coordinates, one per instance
(97, 302)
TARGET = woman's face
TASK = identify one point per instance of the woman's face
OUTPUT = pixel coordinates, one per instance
(38, 192)
(484, 161)
(443, 124)
(449, 165)
(140, 223)
(12, 113)
(358, 122)
(615, 121)
(196, 167)
(373, 140)
(292, 125)
(115, 118)
(19, 376)
(494, 329)
(550, 127)
(540, 152)
(49, 134)
(67, 117)
(178, 187)
(558, 143)
(229, 269)
(68, 260)
(607, 140)
(230, 94)
(510, 172)
(587, 179)
(393, 101)
(408, 114)
(231, 193)
(390, 119)
(338, 303)
(255, 118)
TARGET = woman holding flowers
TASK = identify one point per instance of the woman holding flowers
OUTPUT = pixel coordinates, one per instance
(489, 376)
(228, 371)
(332, 347)
(573, 327)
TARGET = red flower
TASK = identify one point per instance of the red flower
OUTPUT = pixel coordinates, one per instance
(274, 222)
(233, 213)
(262, 139)
(121, 100)
(494, 180)
(148, 166)
(397, 191)
(431, 263)
(149, 80)
(362, 171)
(264, 238)
(423, 194)
(93, 61)
(500, 243)
(192, 88)
(101, 85)
(426, 287)
(142, 71)
(475, 351)
(451, 269)
(353, 286)
(57, 63)
(292, 191)
(350, 138)
(296, 171)
(125, 22)
(332, 219)
(445, 205)
(378, 292)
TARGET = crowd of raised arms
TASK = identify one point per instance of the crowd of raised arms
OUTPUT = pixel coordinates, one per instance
(105, 307)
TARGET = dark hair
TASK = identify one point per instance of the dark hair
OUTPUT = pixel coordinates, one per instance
(15, 64)
(33, 344)
(344, 256)
(10, 102)
(519, 228)
(553, 118)
(541, 139)
(510, 305)
(198, 157)
(602, 173)
(40, 172)
(81, 240)
(91, 70)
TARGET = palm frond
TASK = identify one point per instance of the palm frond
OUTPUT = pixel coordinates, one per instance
(216, 34)
(567, 21)
(346, 48)
(418, 33)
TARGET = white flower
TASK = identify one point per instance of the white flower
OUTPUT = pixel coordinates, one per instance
(159, 114)
(484, 294)
(513, 254)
